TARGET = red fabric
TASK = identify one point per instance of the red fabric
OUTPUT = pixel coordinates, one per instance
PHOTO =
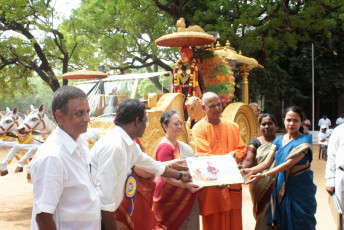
(164, 152)
(142, 216)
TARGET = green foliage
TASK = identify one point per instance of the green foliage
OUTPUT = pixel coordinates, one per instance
(222, 88)
(40, 94)
(146, 86)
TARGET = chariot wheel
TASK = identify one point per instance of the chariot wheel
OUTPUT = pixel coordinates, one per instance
(243, 115)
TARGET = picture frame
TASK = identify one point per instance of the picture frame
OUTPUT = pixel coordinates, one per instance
(214, 170)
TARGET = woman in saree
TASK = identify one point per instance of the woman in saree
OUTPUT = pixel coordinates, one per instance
(293, 196)
(174, 203)
(256, 152)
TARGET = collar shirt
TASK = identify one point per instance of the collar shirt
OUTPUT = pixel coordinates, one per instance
(112, 160)
(335, 155)
(340, 121)
(326, 122)
(62, 183)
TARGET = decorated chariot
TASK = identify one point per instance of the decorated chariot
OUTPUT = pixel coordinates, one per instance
(215, 64)
(210, 63)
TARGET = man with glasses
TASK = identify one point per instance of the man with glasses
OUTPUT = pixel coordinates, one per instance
(115, 155)
(220, 206)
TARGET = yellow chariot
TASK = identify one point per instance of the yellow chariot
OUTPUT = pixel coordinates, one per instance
(216, 71)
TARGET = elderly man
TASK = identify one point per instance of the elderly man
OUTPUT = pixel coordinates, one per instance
(63, 192)
(335, 165)
(116, 154)
(220, 207)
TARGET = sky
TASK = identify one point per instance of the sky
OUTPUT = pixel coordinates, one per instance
(64, 7)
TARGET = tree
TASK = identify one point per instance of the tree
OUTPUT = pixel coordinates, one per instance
(279, 35)
(31, 43)
(124, 33)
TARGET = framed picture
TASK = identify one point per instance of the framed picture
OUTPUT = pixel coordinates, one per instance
(214, 170)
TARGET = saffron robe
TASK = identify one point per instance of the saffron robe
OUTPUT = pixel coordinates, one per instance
(219, 140)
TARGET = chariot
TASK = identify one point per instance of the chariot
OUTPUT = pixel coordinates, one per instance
(216, 64)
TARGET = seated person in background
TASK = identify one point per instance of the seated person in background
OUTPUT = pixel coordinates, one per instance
(323, 139)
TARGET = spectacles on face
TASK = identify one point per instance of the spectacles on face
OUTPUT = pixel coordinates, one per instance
(213, 106)
(177, 124)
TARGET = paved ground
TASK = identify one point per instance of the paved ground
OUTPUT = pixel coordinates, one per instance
(16, 199)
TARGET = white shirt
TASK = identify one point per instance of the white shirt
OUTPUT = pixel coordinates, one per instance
(112, 159)
(62, 184)
(335, 154)
(326, 122)
(340, 121)
(321, 136)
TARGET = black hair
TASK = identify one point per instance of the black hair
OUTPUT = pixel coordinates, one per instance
(268, 115)
(297, 110)
(166, 116)
(128, 110)
(62, 96)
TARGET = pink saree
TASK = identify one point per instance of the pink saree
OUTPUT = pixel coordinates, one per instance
(171, 204)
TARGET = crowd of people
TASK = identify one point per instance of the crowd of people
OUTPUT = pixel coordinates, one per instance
(113, 186)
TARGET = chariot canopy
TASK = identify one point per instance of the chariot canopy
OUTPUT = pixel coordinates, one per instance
(84, 74)
(105, 94)
(186, 37)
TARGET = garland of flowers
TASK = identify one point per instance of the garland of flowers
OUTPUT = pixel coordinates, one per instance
(191, 74)
(4, 138)
(27, 140)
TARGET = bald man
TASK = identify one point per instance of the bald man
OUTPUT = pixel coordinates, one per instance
(220, 207)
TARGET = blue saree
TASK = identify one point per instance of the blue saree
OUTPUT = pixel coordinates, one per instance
(293, 197)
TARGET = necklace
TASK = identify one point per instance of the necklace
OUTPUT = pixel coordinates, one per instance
(180, 79)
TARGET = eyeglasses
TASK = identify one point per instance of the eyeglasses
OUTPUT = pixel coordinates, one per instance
(176, 124)
(213, 106)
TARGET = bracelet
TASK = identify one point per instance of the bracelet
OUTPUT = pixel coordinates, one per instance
(182, 184)
(180, 176)
(265, 174)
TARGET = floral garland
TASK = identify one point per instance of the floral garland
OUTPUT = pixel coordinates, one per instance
(4, 138)
(179, 79)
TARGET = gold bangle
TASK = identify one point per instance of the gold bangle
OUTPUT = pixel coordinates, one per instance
(182, 184)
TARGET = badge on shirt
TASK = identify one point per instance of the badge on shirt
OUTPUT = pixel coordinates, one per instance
(130, 190)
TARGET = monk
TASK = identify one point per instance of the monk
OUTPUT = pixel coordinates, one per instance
(220, 207)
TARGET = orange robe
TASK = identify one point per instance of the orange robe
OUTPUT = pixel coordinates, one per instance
(220, 208)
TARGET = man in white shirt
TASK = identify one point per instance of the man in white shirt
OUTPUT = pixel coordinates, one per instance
(335, 164)
(340, 119)
(115, 154)
(63, 191)
(325, 121)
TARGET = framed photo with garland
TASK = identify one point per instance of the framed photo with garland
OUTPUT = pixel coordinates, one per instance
(214, 170)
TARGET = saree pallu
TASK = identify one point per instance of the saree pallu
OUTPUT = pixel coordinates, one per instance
(293, 195)
(261, 190)
(175, 207)
(143, 201)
